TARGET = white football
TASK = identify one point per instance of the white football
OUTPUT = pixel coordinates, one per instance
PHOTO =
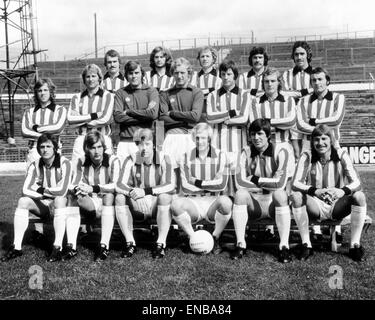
(201, 242)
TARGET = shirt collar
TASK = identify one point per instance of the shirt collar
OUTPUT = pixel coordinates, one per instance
(153, 72)
(56, 162)
(328, 96)
(235, 90)
(268, 152)
(129, 88)
(155, 159)
(307, 70)
(99, 93)
(264, 98)
(334, 156)
(51, 106)
(105, 162)
(212, 72)
(212, 153)
(120, 76)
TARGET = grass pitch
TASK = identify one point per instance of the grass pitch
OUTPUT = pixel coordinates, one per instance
(180, 275)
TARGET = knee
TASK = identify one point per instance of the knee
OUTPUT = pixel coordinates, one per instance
(120, 200)
(24, 203)
(60, 202)
(108, 199)
(297, 199)
(280, 198)
(225, 205)
(177, 207)
(241, 197)
(359, 198)
(164, 199)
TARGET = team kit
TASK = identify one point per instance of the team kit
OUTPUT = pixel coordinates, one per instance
(263, 144)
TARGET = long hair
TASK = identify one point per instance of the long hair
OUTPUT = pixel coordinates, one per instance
(304, 45)
(321, 129)
(168, 59)
(51, 88)
(259, 125)
(213, 53)
(258, 50)
(91, 138)
(48, 137)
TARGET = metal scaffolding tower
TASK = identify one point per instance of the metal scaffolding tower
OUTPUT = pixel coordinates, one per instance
(21, 70)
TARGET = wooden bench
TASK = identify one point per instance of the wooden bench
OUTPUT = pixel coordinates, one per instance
(255, 227)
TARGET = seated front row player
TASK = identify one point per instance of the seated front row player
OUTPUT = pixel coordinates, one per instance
(261, 180)
(92, 189)
(144, 190)
(204, 176)
(43, 193)
(326, 186)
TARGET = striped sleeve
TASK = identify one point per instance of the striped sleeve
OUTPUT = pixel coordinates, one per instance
(124, 181)
(31, 184)
(185, 175)
(338, 115)
(279, 178)
(242, 180)
(242, 81)
(288, 120)
(168, 180)
(114, 168)
(77, 174)
(300, 178)
(106, 112)
(214, 115)
(61, 188)
(243, 117)
(27, 125)
(74, 117)
(350, 173)
(58, 125)
(303, 118)
(219, 183)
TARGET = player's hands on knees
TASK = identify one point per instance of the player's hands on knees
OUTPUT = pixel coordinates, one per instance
(137, 193)
(321, 193)
(85, 189)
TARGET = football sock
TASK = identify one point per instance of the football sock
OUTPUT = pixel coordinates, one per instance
(125, 221)
(240, 218)
(59, 225)
(21, 222)
(283, 219)
(73, 222)
(107, 221)
(357, 221)
(184, 221)
(221, 221)
(302, 220)
(163, 220)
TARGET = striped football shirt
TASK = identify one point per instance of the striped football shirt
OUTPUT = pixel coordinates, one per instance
(38, 120)
(49, 182)
(82, 108)
(330, 111)
(230, 136)
(161, 83)
(251, 81)
(267, 170)
(338, 172)
(105, 175)
(113, 84)
(281, 111)
(210, 174)
(155, 178)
